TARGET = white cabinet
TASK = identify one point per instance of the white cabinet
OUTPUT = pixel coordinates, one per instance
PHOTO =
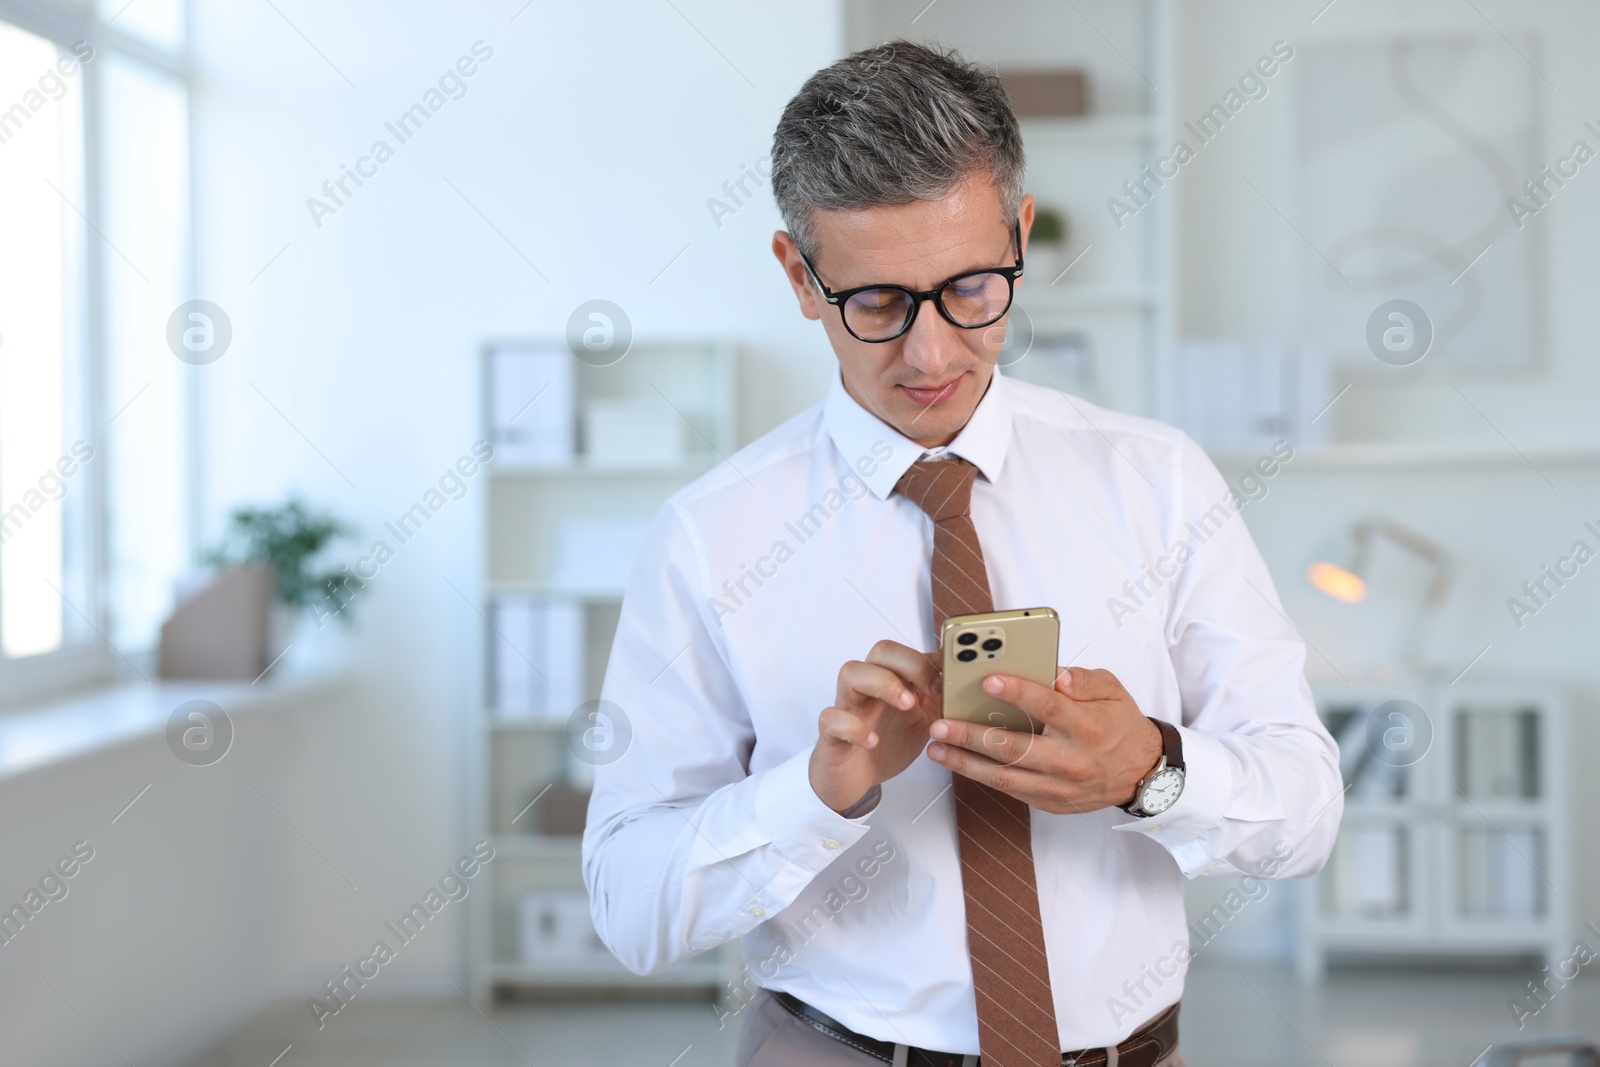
(1454, 839)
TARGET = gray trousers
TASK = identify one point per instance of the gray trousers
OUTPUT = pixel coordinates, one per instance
(771, 1036)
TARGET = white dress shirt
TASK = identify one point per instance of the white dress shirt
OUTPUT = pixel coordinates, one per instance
(762, 578)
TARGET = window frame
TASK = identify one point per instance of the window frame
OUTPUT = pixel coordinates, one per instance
(92, 658)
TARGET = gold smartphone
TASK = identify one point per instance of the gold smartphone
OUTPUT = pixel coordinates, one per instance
(1023, 643)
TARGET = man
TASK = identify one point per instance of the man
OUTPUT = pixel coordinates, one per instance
(906, 888)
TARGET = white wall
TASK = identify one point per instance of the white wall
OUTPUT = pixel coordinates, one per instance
(591, 139)
(169, 937)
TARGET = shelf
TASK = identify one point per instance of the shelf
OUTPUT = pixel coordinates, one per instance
(1398, 942)
(525, 726)
(563, 531)
(1065, 297)
(1131, 129)
(592, 595)
(691, 973)
(691, 468)
(1372, 812)
(1500, 811)
(1401, 456)
(560, 847)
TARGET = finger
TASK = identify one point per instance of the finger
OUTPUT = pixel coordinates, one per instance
(1008, 747)
(869, 681)
(1083, 683)
(842, 724)
(1019, 782)
(1043, 704)
(916, 668)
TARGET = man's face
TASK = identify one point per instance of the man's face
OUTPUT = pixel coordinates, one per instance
(926, 382)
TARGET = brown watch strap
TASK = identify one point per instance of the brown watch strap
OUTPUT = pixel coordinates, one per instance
(1172, 749)
(1171, 743)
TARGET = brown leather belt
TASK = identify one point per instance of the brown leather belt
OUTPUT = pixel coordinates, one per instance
(1145, 1047)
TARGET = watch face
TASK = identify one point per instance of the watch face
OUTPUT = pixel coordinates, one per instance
(1161, 792)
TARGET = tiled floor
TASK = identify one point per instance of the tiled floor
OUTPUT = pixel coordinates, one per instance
(1241, 1016)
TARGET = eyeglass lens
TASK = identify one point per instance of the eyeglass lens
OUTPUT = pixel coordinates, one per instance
(975, 300)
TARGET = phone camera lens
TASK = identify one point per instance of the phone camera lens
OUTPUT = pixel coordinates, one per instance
(967, 638)
(966, 655)
(991, 645)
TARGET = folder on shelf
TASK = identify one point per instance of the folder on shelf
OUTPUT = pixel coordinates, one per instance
(537, 655)
(511, 629)
(531, 405)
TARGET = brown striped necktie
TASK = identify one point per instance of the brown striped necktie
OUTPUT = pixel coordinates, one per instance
(1010, 972)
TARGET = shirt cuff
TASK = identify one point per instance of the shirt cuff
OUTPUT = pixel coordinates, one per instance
(800, 826)
(1207, 789)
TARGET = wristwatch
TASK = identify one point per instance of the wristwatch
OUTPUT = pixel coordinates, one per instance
(1162, 787)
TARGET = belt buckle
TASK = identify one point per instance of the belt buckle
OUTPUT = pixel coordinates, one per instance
(902, 1053)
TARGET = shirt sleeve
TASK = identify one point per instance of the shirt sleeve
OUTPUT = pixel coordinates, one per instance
(684, 848)
(1262, 791)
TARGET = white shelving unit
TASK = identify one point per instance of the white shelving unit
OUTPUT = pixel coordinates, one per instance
(526, 508)
(1454, 841)
(1103, 329)
(1106, 289)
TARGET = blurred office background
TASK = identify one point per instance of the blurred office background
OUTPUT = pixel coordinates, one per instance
(1363, 284)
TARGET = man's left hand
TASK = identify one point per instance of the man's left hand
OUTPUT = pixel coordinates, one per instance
(1095, 748)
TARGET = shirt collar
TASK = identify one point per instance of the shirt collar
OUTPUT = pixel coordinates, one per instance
(862, 437)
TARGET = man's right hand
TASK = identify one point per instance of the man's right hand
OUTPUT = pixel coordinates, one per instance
(879, 724)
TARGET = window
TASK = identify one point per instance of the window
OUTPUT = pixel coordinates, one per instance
(146, 201)
(96, 413)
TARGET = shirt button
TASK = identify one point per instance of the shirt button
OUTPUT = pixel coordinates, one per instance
(758, 911)
(1156, 828)
(830, 843)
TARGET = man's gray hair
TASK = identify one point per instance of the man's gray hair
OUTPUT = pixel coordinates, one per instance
(888, 125)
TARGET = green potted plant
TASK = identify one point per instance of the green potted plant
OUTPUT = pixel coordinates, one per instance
(1047, 244)
(287, 540)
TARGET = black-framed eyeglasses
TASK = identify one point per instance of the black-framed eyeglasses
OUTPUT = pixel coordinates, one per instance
(877, 313)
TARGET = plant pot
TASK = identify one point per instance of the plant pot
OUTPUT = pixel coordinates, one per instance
(219, 626)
